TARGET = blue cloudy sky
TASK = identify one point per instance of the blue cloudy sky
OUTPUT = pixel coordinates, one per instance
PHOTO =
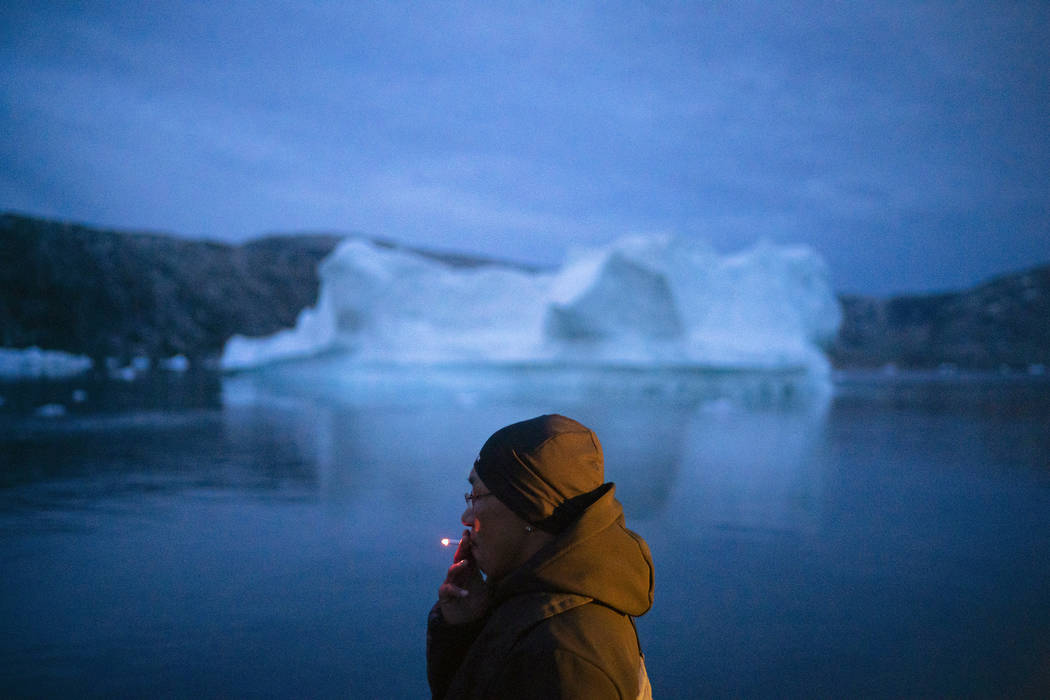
(907, 142)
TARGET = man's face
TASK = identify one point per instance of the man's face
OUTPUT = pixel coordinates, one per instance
(497, 535)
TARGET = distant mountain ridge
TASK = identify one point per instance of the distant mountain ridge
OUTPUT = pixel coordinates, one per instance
(105, 293)
(1004, 322)
(116, 294)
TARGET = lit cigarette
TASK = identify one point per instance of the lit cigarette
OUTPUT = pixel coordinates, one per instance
(445, 541)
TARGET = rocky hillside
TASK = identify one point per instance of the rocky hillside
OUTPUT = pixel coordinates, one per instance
(113, 294)
(1003, 322)
(120, 295)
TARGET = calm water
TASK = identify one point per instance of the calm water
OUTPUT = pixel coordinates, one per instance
(178, 537)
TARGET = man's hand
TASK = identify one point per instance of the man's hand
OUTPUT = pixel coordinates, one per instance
(463, 596)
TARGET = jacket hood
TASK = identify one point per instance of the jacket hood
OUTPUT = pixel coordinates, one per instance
(596, 556)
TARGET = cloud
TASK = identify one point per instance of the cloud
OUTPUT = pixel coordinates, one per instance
(496, 125)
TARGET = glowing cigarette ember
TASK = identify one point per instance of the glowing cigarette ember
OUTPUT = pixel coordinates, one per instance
(445, 541)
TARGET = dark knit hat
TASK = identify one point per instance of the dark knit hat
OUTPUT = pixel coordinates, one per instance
(545, 469)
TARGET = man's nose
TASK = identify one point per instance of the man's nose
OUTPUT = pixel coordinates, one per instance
(468, 517)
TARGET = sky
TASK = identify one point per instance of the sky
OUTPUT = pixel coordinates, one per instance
(907, 142)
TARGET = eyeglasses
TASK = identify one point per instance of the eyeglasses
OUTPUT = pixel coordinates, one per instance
(471, 497)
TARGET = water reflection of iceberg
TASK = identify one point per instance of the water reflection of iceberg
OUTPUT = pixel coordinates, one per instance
(688, 449)
(343, 380)
(749, 471)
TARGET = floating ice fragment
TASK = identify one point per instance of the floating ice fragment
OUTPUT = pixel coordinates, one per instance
(176, 363)
(32, 362)
(126, 374)
(50, 410)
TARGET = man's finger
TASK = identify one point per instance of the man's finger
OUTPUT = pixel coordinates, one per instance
(449, 591)
(463, 549)
(460, 573)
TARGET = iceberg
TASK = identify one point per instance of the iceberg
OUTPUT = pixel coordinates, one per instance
(642, 302)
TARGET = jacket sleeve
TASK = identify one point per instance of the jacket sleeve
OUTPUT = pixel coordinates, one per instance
(555, 674)
(446, 646)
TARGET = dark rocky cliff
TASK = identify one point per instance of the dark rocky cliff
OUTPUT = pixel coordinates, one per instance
(116, 294)
(1003, 322)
